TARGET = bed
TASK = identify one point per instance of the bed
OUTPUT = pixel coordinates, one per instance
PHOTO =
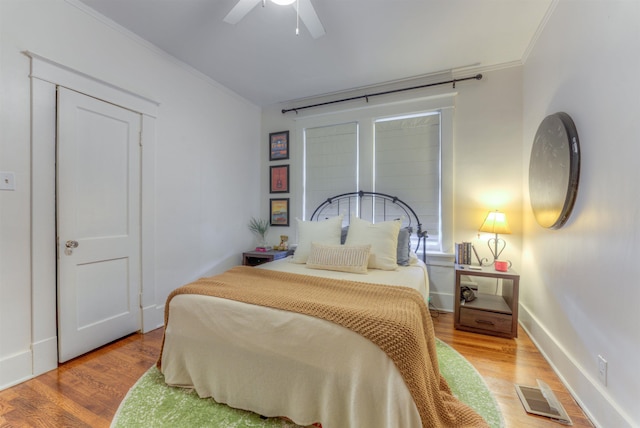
(313, 337)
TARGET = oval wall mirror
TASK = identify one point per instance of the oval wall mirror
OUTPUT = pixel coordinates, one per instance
(554, 170)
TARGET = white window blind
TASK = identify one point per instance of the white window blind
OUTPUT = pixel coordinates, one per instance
(401, 149)
(331, 159)
(407, 165)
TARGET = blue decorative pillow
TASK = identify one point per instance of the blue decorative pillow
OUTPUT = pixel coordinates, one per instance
(404, 246)
(343, 236)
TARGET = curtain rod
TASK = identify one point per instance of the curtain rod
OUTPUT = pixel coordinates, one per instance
(392, 91)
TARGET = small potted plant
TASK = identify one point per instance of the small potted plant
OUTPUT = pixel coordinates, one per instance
(260, 227)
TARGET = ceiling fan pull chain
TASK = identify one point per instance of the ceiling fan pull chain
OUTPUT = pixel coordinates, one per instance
(297, 17)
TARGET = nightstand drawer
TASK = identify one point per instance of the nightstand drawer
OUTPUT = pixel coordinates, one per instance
(489, 321)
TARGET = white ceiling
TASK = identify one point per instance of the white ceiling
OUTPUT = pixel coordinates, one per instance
(367, 42)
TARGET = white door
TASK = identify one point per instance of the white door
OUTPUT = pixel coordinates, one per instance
(98, 223)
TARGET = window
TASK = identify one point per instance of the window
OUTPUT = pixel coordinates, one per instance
(407, 165)
(330, 162)
(403, 150)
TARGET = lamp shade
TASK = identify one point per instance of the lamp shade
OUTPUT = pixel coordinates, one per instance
(496, 222)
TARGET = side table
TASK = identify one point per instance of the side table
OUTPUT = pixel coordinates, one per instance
(255, 258)
(494, 311)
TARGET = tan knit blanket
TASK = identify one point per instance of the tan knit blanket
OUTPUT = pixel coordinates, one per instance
(396, 319)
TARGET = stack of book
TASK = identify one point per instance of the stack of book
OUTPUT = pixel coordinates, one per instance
(463, 253)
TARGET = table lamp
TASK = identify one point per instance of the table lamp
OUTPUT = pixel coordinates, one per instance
(496, 222)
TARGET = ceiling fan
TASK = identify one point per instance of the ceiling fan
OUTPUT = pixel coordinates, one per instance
(305, 10)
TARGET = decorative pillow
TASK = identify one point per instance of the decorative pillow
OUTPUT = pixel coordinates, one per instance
(383, 238)
(343, 236)
(323, 232)
(342, 258)
(404, 246)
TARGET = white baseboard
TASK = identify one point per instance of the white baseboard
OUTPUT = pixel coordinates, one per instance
(45, 355)
(152, 317)
(441, 282)
(15, 369)
(442, 301)
(594, 400)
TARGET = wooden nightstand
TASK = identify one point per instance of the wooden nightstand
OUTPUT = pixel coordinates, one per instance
(495, 308)
(255, 258)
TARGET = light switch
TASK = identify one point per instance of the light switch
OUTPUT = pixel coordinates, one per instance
(7, 181)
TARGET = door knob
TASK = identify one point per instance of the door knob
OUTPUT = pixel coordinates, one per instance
(71, 244)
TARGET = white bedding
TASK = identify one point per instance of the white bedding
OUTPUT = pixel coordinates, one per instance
(414, 276)
(278, 363)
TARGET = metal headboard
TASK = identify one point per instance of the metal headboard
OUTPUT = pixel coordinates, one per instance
(380, 207)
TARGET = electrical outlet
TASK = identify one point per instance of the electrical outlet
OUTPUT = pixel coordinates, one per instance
(602, 370)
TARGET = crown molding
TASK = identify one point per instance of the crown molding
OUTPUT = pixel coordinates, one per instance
(541, 27)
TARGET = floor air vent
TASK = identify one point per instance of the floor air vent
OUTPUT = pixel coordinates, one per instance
(542, 401)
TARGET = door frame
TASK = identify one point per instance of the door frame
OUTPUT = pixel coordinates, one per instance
(46, 75)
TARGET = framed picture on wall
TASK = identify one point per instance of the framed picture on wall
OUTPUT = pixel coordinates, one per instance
(279, 212)
(279, 179)
(279, 145)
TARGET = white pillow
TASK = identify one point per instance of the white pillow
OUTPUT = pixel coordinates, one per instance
(383, 238)
(323, 232)
(341, 258)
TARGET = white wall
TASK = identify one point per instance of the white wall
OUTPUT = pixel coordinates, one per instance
(487, 161)
(580, 287)
(206, 157)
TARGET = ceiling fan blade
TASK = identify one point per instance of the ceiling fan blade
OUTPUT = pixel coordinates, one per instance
(310, 18)
(240, 10)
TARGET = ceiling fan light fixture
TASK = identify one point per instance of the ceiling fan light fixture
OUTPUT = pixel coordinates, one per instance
(305, 13)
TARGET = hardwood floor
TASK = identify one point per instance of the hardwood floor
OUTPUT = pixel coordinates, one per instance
(504, 362)
(84, 392)
(87, 391)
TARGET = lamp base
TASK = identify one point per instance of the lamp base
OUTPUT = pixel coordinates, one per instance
(496, 250)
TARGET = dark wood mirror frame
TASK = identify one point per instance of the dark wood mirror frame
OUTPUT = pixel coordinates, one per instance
(554, 170)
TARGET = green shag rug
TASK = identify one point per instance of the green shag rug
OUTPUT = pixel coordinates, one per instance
(151, 403)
